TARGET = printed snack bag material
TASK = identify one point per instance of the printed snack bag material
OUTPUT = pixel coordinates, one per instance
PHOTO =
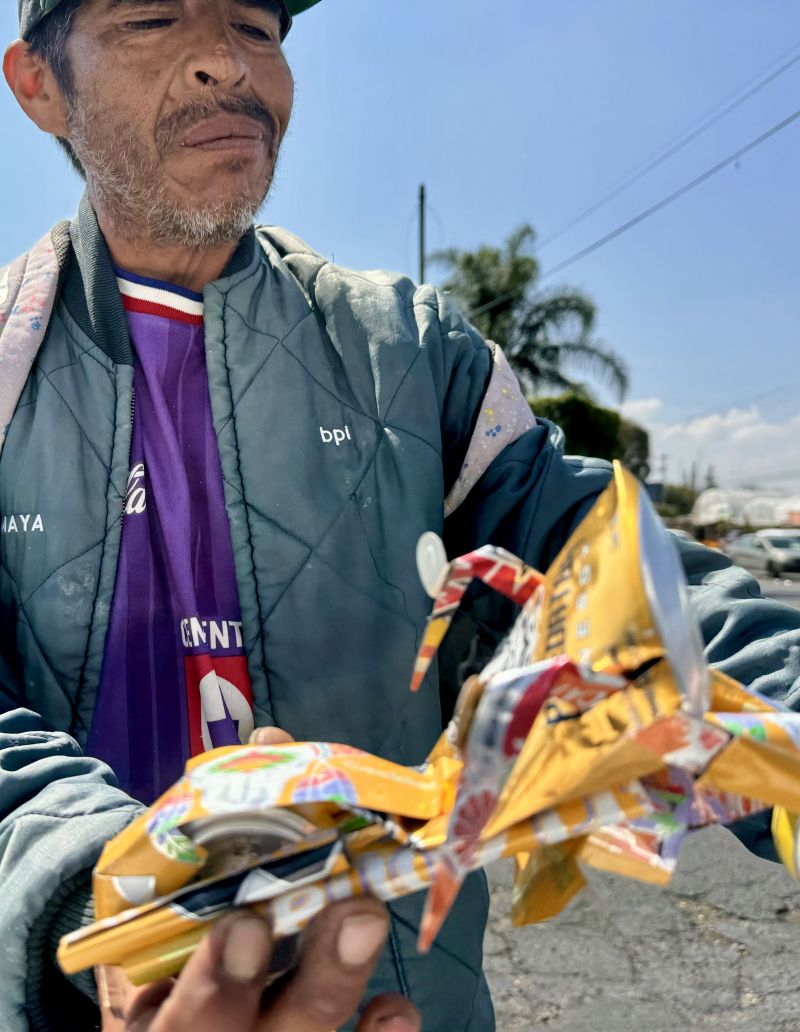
(596, 735)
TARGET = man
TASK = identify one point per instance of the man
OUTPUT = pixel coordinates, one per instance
(220, 453)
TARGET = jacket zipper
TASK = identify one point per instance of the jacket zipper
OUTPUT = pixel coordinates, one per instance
(130, 454)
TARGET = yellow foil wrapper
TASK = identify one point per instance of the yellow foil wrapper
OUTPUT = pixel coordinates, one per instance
(757, 769)
(549, 879)
(596, 735)
(786, 833)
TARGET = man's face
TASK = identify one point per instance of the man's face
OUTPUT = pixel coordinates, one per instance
(177, 113)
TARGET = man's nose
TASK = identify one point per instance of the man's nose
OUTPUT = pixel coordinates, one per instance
(221, 69)
(212, 57)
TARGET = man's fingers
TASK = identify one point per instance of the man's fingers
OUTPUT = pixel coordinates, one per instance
(270, 736)
(340, 948)
(390, 1013)
(115, 994)
(220, 987)
(142, 1012)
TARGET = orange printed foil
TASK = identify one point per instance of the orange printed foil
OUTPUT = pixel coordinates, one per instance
(596, 735)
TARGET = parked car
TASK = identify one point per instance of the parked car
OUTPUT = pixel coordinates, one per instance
(770, 552)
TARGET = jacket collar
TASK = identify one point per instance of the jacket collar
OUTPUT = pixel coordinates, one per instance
(89, 287)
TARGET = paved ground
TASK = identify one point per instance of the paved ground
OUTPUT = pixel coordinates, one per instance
(718, 950)
(786, 590)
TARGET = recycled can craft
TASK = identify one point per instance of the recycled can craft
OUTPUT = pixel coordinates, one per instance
(596, 735)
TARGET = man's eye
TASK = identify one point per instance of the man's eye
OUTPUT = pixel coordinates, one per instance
(149, 23)
(254, 32)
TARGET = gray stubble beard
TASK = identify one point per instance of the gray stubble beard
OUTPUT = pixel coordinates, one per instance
(126, 186)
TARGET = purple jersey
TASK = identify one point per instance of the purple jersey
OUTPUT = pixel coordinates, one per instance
(174, 680)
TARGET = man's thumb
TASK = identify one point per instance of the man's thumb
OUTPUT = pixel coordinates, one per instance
(270, 736)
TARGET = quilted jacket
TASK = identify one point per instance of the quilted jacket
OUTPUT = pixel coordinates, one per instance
(323, 538)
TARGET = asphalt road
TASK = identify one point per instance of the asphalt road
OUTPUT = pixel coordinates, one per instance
(787, 591)
(717, 950)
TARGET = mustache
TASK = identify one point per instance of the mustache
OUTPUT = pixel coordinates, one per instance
(183, 118)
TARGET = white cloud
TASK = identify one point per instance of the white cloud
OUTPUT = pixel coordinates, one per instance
(742, 444)
(642, 410)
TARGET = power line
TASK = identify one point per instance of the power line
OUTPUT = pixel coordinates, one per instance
(678, 145)
(648, 212)
(738, 402)
(674, 196)
(772, 473)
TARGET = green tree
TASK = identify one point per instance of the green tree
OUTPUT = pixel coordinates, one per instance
(547, 336)
(591, 429)
(634, 443)
(677, 500)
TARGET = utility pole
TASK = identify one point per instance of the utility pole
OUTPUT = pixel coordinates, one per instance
(422, 232)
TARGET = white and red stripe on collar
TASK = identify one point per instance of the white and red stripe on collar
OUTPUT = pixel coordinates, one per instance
(155, 297)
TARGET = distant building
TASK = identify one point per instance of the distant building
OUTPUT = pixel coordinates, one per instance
(746, 508)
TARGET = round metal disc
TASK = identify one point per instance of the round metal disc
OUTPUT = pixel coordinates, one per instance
(236, 840)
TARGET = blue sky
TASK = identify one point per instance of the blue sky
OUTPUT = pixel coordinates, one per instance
(528, 111)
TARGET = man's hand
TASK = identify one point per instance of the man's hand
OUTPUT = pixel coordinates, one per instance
(318, 984)
(222, 986)
(270, 736)
(115, 992)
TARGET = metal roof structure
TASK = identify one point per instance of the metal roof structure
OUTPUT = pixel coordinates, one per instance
(739, 507)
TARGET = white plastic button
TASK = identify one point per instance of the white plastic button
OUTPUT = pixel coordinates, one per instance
(432, 563)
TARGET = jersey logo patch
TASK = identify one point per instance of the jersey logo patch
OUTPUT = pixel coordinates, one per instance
(220, 701)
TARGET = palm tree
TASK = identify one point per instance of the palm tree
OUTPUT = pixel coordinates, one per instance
(545, 334)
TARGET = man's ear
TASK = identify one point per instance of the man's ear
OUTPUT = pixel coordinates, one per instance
(33, 84)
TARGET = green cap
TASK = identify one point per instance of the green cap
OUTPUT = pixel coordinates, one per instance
(31, 12)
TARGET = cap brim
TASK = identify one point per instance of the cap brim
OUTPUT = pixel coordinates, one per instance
(298, 6)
